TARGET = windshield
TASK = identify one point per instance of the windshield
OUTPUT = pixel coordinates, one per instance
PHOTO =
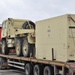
(71, 26)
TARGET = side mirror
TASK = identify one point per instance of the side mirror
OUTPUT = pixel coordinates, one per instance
(9, 19)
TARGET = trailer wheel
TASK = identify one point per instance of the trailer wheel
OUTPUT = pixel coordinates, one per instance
(18, 47)
(26, 48)
(48, 71)
(28, 69)
(5, 49)
(37, 70)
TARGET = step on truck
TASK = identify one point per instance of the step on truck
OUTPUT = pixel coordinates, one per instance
(44, 48)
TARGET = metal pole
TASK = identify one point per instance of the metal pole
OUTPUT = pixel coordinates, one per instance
(62, 70)
(54, 69)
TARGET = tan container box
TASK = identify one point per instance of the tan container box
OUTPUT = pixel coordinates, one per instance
(57, 34)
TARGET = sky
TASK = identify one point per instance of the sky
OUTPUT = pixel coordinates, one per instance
(35, 10)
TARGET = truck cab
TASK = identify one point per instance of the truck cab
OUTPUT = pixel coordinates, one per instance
(14, 31)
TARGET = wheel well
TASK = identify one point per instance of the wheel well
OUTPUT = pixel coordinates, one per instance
(3, 38)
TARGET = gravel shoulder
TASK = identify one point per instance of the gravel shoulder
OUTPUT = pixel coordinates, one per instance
(11, 72)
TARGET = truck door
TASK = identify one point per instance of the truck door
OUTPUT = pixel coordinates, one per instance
(4, 29)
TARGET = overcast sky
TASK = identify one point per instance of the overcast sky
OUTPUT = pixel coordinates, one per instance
(35, 9)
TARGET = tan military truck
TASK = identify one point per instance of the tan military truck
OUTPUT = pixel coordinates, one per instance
(18, 34)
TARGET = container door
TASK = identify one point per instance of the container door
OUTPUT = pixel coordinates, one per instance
(71, 47)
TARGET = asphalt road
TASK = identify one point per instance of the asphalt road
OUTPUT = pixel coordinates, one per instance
(11, 72)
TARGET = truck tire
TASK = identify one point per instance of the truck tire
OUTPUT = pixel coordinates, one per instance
(18, 47)
(28, 69)
(37, 70)
(26, 48)
(1, 61)
(5, 49)
(29, 25)
(48, 70)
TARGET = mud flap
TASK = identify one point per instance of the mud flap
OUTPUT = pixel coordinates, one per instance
(3, 63)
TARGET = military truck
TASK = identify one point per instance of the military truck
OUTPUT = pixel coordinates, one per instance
(15, 35)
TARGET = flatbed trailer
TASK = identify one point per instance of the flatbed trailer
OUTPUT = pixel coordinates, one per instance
(20, 62)
(45, 49)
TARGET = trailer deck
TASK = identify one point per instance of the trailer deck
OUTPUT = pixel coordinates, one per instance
(31, 59)
(20, 63)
